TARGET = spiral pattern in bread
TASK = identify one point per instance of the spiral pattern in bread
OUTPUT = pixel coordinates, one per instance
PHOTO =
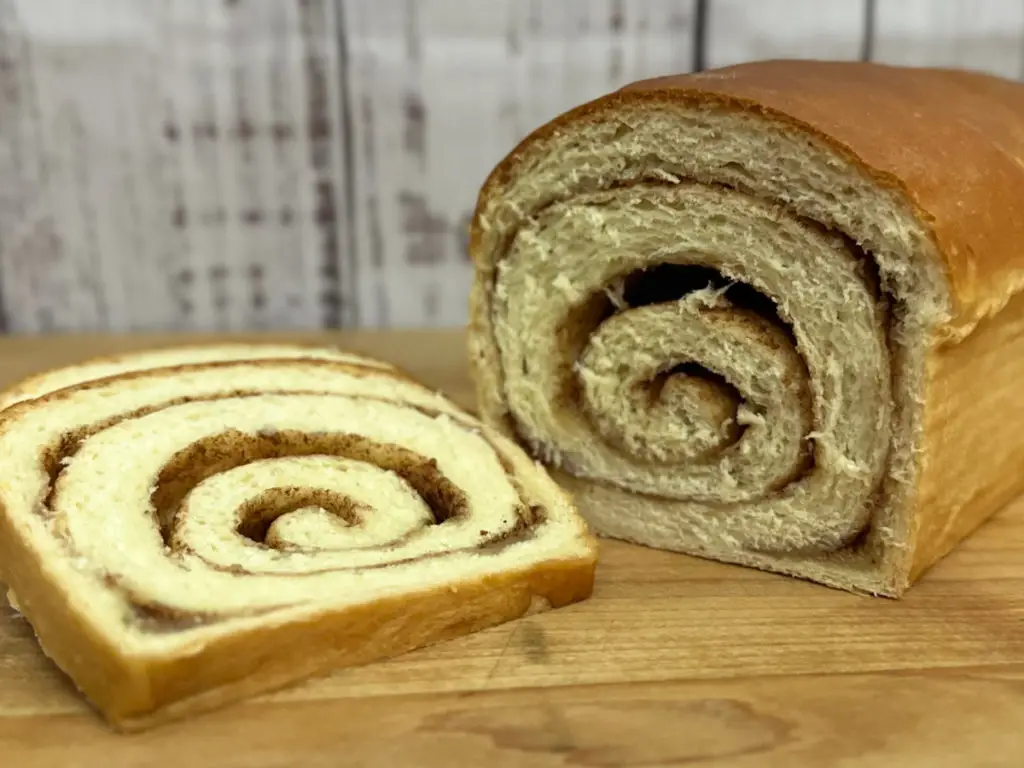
(219, 505)
(714, 302)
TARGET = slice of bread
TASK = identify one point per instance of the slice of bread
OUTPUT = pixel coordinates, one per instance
(183, 536)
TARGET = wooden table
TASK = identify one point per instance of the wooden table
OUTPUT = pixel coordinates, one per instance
(675, 661)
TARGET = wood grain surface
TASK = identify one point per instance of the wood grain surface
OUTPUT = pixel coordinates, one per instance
(674, 662)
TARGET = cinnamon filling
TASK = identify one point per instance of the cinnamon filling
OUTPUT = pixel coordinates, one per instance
(219, 453)
(685, 391)
(261, 511)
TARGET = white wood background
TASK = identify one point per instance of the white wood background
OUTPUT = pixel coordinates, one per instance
(224, 164)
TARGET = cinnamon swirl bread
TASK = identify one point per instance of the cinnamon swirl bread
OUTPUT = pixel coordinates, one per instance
(768, 314)
(186, 535)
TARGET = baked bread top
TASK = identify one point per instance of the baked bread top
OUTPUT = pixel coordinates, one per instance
(948, 145)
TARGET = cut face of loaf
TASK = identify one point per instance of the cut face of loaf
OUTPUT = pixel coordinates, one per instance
(761, 314)
(183, 536)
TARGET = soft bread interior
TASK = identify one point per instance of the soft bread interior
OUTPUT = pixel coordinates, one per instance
(689, 201)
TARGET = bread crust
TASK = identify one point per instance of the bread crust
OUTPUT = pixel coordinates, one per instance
(135, 693)
(973, 446)
(59, 377)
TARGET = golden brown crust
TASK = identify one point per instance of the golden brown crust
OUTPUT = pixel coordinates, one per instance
(973, 448)
(139, 693)
(13, 393)
(950, 141)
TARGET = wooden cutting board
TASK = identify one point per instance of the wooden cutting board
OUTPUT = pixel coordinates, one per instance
(675, 661)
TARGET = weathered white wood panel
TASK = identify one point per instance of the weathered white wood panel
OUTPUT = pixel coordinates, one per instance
(987, 35)
(177, 164)
(247, 163)
(46, 284)
(440, 91)
(739, 31)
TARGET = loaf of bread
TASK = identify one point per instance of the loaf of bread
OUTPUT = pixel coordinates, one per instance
(769, 314)
(240, 518)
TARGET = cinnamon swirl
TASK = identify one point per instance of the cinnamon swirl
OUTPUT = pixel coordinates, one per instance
(765, 314)
(183, 536)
